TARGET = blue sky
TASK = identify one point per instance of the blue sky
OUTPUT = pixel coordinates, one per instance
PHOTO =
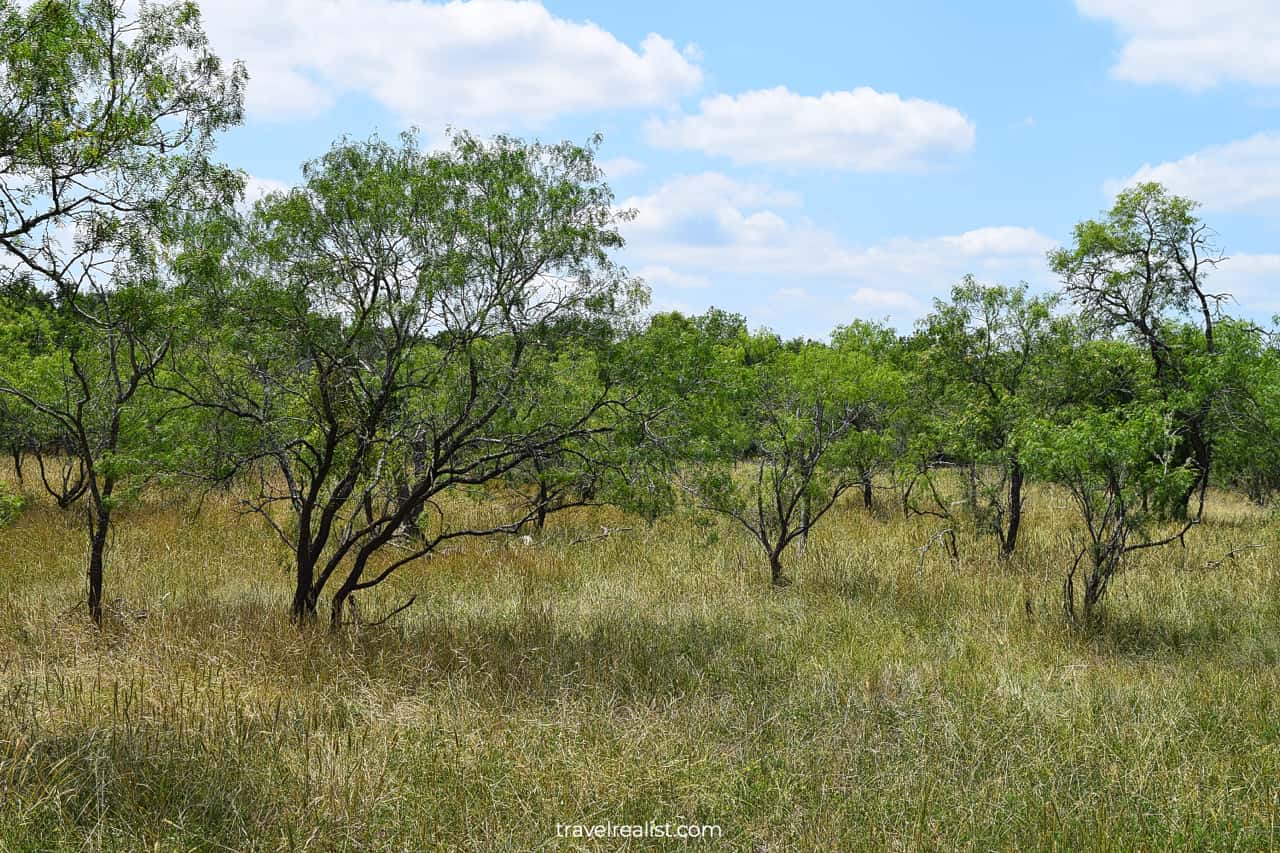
(810, 162)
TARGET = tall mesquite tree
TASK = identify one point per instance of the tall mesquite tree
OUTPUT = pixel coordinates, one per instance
(986, 357)
(1103, 430)
(397, 322)
(105, 117)
(107, 124)
(1143, 270)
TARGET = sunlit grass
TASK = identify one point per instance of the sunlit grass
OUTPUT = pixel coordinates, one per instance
(882, 701)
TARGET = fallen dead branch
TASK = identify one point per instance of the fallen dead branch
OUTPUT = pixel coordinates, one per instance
(1231, 555)
(947, 536)
(605, 533)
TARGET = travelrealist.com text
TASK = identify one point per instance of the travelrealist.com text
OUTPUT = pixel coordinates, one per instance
(652, 829)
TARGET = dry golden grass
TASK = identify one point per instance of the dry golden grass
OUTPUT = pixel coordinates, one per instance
(654, 675)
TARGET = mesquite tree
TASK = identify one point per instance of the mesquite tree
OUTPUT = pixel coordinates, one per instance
(1109, 461)
(91, 390)
(987, 350)
(105, 117)
(782, 439)
(883, 417)
(106, 127)
(396, 323)
(1143, 270)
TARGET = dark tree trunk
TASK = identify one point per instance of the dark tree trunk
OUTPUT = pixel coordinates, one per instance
(99, 510)
(1069, 597)
(303, 609)
(17, 466)
(1092, 597)
(1202, 456)
(353, 582)
(1104, 562)
(866, 489)
(410, 524)
(1195, 448)
(776, 577)
(806, 509)
(97, 560)
(340, 599)
(1015, 510)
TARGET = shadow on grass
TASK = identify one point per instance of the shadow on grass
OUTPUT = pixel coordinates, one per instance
(541, 656)
(1151, 636)
(517, 655)
(234, 780)
(115, 784)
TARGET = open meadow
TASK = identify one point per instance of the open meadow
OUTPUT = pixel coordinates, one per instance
(882, 701)
(528, 425)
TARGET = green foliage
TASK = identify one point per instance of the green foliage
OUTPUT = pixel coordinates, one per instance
(105, 118)
(805, 419)
(106, 125)
(1139, 265)
(1126, 453)
(984, 363)
(1142, 271)
(1244, 377)
(1116, 464)
(401, 324)
(406, 324)
(11, 505)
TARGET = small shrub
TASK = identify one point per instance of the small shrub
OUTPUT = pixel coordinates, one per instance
(11, 505)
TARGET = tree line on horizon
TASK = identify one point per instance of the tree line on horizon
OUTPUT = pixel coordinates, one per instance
(404, 326)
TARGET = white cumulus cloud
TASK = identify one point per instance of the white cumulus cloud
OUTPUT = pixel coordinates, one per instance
(887, 300)
(999, 241)
(1194, 44)
(1238, 175)
(619, 167)
(256, 188)
(725, 231)
(662, 276)
(1253, 281)
(475, 61)
(861, 130)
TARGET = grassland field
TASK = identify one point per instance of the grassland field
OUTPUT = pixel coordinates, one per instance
(890, 699)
